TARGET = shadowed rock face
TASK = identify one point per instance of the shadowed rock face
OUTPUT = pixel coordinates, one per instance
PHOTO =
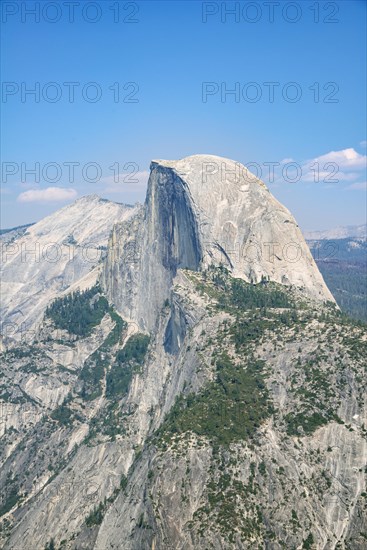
(206, 210)
(172, 221)
(175, 331)
(145, 252)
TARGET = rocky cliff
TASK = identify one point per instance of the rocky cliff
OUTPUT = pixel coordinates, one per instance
(50, 257)
(195, 396)
(199, 211)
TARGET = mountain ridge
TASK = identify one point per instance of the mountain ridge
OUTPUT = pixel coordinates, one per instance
(340, 232)
(51, 255)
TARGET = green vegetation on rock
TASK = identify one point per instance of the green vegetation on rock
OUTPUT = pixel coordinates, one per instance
(9, 500)
(94, 368)
(308, 421)
(79, 312)
(50, 545)
(64, 415)
(96, 516)
(230, 408)
(234, 294)
(122, 367)
(128, 360)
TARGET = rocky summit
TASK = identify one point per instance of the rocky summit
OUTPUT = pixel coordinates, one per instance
(177, 375)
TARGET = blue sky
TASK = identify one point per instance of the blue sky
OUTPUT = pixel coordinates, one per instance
(163, 54)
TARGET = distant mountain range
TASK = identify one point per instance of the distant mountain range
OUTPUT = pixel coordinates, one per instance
(343, 264)
(341, 232)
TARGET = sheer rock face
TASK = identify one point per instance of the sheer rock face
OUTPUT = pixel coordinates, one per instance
(146, 251)
(205, 210)
(61, 252)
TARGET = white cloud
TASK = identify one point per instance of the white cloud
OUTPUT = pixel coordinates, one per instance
(329, 169)
(334, 167)
(51, 194)
(346, 159)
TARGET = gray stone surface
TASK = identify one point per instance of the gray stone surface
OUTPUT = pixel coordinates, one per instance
(298, 485)
(199, 211)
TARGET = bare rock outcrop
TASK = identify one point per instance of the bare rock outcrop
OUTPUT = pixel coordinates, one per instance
(199, 211)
